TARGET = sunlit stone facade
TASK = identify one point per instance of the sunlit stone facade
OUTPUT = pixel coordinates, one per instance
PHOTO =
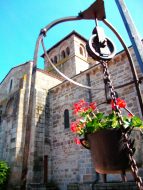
(35, 138)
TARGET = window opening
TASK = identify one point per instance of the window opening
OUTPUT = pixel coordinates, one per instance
(63, 54)
(52, 60)
(10, 87)
(81, 51)
(55, 59)
(66, 119)
(68, 50)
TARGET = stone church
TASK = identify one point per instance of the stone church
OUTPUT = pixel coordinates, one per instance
(36, 111)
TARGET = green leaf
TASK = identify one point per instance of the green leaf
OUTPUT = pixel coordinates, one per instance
(4, 171)
(114, 123)
(126, 124)
(136, 121)
(99, 115)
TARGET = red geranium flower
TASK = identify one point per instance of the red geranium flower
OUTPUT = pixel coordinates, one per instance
(78, 107)
(85, 109)
(77, 141)
(83, 106)
(73, 127)
(92, 105)
(89, 119)
(120, 103)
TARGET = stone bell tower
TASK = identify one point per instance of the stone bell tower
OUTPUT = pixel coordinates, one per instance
(69, 55)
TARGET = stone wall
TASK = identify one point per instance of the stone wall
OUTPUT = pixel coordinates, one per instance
(74, 62)
(70, 162)
(39, 135)
(13, 79)
(13, 100)
(32, 128)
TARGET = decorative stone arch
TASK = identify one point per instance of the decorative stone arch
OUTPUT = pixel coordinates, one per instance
(62, 49)
(52, 53)
(54, 56)
(66, 106)
(63, 45)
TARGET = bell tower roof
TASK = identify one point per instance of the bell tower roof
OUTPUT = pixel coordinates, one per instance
(65, 38)
(69, 55)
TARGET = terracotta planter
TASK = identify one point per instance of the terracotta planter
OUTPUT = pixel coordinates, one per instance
(108, 151)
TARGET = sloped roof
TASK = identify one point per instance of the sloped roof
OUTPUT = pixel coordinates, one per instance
(23, 64)
(50, 74)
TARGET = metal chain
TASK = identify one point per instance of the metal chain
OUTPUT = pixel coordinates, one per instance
(125, 135)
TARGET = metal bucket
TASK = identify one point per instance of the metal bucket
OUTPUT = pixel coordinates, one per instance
(108, 151)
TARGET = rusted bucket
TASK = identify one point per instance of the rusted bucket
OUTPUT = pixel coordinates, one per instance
(108, 151)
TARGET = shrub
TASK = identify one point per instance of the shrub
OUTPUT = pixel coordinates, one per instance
(4, 173)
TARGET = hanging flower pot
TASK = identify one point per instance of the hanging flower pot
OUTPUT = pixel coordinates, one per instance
(108, 151)
(103, 135)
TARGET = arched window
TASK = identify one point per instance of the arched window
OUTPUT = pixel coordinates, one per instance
(52, 60)
(10, 86)
(55, 59)
(66, 119)
(63, 54)
(81, 50)
(67, 50)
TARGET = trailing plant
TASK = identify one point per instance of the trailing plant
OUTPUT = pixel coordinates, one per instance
(90, 120)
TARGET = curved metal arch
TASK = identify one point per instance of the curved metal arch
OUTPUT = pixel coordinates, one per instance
(48, 27)
(134, 73)
(80, 17)
(40, 40)
(64, 76)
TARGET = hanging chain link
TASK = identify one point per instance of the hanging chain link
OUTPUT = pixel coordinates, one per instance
(125, 134)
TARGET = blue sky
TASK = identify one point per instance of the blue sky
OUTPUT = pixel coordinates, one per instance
(21, 21)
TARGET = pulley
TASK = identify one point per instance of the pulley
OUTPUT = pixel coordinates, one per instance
(99, 46)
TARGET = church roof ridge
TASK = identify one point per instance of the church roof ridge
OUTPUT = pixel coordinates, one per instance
(14, 68)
